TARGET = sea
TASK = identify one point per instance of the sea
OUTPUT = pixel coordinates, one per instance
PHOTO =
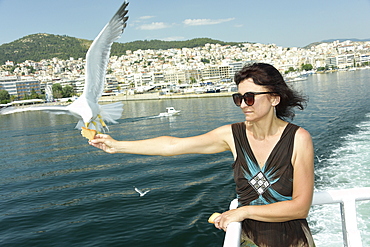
(56, 190)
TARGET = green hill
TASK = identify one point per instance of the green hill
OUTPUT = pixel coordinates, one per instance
(36, 47)
(40, 46)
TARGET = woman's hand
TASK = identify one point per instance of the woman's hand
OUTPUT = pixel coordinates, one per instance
(234, 215)
(105, 143)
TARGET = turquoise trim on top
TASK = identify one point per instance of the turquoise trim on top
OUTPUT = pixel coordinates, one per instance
(253, 170)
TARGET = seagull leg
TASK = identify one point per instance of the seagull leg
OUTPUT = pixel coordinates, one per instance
(96, 127)
(105, 127)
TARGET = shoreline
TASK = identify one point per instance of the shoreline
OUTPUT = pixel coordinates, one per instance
(122, 97)
(157, 96)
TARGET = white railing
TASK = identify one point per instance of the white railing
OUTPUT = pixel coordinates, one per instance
(234, 229)
(346, 198)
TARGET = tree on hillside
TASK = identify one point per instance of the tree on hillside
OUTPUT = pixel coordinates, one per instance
(205, 60)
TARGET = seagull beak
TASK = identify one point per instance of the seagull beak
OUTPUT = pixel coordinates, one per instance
(87, 124)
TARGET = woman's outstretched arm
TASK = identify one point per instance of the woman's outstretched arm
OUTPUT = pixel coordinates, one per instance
(215, 141)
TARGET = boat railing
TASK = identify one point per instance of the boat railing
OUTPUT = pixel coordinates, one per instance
(346, 198)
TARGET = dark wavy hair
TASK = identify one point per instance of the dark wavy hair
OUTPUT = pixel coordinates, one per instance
(268, 76)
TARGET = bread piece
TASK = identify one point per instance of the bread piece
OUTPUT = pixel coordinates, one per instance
(88, 133)
(212, 218)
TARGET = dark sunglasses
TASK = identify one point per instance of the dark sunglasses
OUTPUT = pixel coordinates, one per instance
(248, 97)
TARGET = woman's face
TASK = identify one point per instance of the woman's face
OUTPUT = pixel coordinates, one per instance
(263, 103)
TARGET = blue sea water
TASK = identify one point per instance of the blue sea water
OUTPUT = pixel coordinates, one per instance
(56, 190)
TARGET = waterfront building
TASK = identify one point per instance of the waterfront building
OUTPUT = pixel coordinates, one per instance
(8, 84)
(174, 76)
(235, 67)
(192, 76)
(80, 83)
(341, 61)
(364, 58)
(211, 74)
(111, 84)
(19, 87)
(143, 79)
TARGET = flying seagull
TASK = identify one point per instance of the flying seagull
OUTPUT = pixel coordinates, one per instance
(86, 107)
(140, 192)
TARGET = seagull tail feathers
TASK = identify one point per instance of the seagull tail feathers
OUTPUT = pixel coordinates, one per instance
(111, 112)
(80, 124)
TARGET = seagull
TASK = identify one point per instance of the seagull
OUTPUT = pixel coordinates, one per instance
(97, 57)
(140, 192)
(86, 107)
(318, 159)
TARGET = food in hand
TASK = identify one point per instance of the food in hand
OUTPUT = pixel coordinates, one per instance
(88, 133)
(212, 218)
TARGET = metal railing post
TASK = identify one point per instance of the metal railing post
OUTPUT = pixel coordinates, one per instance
(351, 234)
(234, 229)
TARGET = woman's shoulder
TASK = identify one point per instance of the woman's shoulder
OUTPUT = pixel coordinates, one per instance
(302, 135)
(224, 132)
(224, 128)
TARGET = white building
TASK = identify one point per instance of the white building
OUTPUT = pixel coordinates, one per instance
(18, 86)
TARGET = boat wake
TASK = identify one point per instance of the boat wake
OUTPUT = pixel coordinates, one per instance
(347, 167)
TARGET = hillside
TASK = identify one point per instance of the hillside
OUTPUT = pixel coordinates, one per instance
(332, 40)
(40, 46)
(43, 46)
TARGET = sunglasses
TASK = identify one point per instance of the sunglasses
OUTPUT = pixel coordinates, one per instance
(248, 97)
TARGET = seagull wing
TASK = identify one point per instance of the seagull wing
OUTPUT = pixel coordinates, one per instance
(145, 192)
(52, 109)
(138, 191)
(97, 56)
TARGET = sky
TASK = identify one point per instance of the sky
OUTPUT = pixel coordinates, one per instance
(287, 23)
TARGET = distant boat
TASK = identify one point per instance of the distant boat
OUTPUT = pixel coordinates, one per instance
(170, 111)
(295, 79)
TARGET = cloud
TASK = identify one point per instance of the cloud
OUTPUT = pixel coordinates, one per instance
(146, 17)
(201, 22)
(173, 38)
(154, 26)
(141, 19)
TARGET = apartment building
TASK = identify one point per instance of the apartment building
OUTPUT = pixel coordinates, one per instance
(347, 60)
(18, 86)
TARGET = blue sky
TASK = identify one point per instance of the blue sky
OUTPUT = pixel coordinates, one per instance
(286, 23)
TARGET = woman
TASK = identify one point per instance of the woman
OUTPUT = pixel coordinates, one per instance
(273, 159)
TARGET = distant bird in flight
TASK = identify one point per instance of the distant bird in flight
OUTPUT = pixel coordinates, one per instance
(140, 192)
(86, 107)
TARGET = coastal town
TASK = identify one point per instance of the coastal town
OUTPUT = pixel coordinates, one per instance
(207, 69)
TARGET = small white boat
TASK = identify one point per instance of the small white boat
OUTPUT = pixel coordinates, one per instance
(170, 111)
